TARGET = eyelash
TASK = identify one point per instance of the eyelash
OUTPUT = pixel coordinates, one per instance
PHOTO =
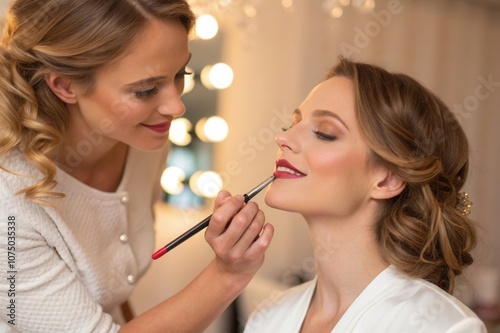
(182, 74)
(323, 136)
(144, 94)
(319, 135)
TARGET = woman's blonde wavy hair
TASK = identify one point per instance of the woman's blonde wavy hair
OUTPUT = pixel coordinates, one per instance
(411, 132)
(73, 38)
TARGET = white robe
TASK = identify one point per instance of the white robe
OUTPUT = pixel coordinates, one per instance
(391, 303)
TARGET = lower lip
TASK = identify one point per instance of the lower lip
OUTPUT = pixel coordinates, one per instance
(285, 175)
(159, 128)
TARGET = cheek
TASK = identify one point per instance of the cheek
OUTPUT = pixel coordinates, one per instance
(328, 164)
(126, 111)
(343, 167)
(114, 106)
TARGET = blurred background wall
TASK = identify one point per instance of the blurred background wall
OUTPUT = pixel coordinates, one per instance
(279, 50)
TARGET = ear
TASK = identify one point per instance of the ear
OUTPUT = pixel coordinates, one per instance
(61, 87)
(387, 185)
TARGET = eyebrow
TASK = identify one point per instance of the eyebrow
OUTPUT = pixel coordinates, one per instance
(322, 113)
(153, 78)
(326, 113)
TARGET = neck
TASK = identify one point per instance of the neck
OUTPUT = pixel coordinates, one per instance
(347, 260)
(91, 157)
(84, 147)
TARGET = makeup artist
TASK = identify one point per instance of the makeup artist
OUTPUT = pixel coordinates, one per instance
(88, 90)
(375, 163)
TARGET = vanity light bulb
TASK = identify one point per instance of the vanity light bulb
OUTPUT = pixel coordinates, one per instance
(188, 81)
(206, 26)
(171, 180)
(212, 129)
(221, 75)
(179, 132)
(206, 184)
(205, 77)
(336, 12)
(216, 129)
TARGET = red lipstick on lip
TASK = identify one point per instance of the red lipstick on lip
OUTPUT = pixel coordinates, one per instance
(285, 174)
(159, 128)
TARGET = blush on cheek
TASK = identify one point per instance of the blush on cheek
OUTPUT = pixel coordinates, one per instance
(121, 110)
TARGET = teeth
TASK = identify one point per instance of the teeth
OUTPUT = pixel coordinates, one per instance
(285, 169)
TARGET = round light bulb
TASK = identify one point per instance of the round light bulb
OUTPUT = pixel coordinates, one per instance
(171, 180)
(205, 77)
(206, 183)
(216, 129)
(179, 132)
(221, 75)
(188, 81)
(212, 129)
(336, 12)
(206, 26)
(250, 11)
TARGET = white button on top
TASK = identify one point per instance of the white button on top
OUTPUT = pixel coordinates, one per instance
(131, 279)
(124, 238)
(125, 199)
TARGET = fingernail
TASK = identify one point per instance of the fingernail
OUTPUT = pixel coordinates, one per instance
(240, 198)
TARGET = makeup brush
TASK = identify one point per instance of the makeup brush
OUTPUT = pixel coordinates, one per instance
(204, 223)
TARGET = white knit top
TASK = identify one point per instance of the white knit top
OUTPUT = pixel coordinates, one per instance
(69, 267)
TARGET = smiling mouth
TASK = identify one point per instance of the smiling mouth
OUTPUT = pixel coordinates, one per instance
(160, 128)
(288, 170)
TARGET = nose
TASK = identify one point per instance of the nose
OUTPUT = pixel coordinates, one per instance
(171, 103)
(286, 140)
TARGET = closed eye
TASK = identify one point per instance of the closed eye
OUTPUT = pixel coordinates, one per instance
(144, 94)
(324, 136)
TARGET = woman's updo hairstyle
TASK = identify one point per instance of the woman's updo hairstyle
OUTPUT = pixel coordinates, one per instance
(423, 231)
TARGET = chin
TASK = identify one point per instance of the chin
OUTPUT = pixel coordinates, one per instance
(151, 146)
(278, 203)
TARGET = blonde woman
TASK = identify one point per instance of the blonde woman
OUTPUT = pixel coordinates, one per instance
(88, 90)
(375, 164)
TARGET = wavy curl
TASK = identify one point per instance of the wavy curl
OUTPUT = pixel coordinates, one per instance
(412, 133)
(73, 39)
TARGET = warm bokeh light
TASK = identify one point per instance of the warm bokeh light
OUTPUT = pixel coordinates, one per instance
(171, 180)
(287, 3)
(179, 132)
(218, 76)
(365, 6)
(250, 10)
(206, 183)
(188, 80)
(216, 129)
(206, 26)
(336, 12)
(212, 129)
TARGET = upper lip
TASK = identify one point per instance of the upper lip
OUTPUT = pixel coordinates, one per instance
(166, 123)
(286, 164)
